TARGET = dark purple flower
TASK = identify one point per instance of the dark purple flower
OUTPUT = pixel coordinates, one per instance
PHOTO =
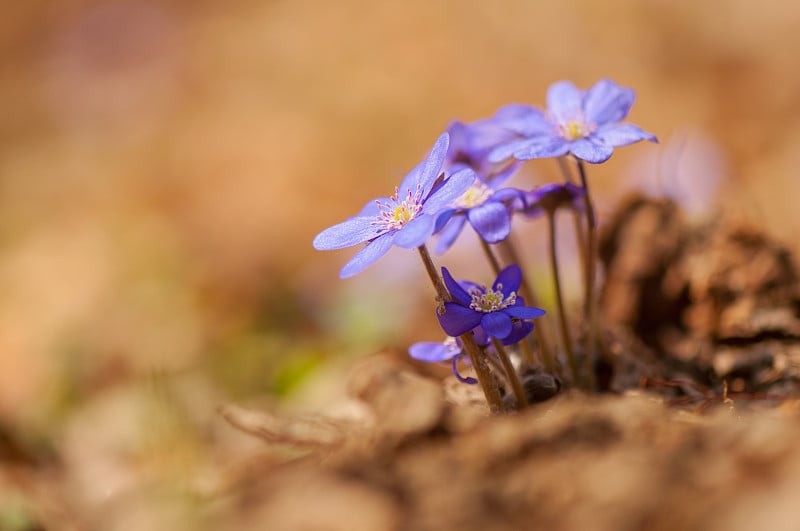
(550, 197)
(493, 309)
(405, 219)
(584, 123)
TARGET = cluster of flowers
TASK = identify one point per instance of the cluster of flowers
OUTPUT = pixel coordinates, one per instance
(459, 182)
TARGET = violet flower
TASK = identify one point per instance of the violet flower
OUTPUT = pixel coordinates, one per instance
(486, 209)
(449, 349)
(493, 309)
(548, 198)
(471, 143)
(406, 219)
(583, 123)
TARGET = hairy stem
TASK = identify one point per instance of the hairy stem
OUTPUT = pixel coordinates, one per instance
(512, 377)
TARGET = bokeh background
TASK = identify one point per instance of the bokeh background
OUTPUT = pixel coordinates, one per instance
(165, 165)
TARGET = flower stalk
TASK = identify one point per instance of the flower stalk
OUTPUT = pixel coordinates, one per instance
(512, 376)
(562, 315)
(478, 358)
(590, 304)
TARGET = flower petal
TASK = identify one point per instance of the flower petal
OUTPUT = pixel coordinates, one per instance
(617, 135)
(411, 180)
(590, 151)
(346, 234)
(455, 289)
(564, 101)
(368, 255)
(463, 379)
(457, 320)
(523, 120)
(451, 189)
(415, 232)
(496, 324)
(428, 351)
(543, 148)
(606, 102)
(519, 330)
(449, 233)
(524, 312)
(510, 278)
(432, 165)
(491, 221)
(506, 151)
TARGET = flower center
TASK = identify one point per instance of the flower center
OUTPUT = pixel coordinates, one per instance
(573, 128)
(476, 195)
(394, 213)
(490, 300)
(451, 346)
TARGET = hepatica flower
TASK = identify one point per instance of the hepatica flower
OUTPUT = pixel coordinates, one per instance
(406, 219)
(471, 144)
(493, 310)
(548, 198)
(449, 349)
(583, 123)
(486, 209)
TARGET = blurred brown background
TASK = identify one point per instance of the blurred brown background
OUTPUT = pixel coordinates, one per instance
(165, 165)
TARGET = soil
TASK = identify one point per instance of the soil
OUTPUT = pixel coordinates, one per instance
(695, 425)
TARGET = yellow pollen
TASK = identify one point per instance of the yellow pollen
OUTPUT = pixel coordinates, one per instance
(477, 194)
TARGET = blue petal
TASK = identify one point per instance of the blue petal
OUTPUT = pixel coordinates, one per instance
(468, 379)
(524, 312)
(479, 334)
(457, 320)
(496, 324)
(606, 102)
(427, 351)
(506, 151)
(411, 180)
(368, 255)
(451, 189)
(491, 221)
(513, 196)
(449, 233)
(564, 101)
(618, 135)
(346, 234)
(519, 330)
(590, 151)
(415, 232)
(554, 146)
(432, 166)
(523, 120)
(510, 278)
(455, 289)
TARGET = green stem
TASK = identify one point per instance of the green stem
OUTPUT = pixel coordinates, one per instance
(589, 299)
(562, 315)
(476, 356)
(511, 373)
